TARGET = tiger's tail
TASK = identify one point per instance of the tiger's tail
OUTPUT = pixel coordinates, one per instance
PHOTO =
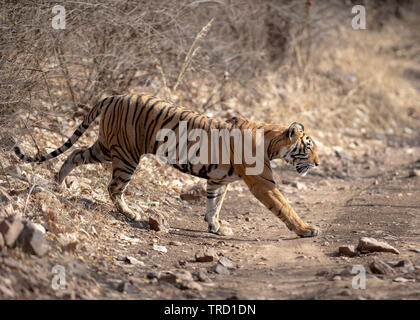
(88, 119)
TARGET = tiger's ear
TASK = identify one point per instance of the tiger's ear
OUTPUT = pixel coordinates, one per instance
(295, 130)
(236, 120)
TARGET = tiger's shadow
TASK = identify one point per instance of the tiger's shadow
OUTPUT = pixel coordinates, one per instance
(205, 235)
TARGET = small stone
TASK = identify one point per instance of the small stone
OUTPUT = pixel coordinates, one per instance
(191, 285)
(380, 267)
(11, 229)
(153, 275)
(220, 269)
(345, 293)
(207, 255)
(295, 184)
(202, 276)
(182, 262)
(158, 222)
(336, 278)
(348, 251)
(404, 266)
(413, 173)
(226, 262)
(160, 248)
(372, 245)
(167, 277)
(182, 279)
(416, 250)
(401, 279)
(32, 239)
(133, 261)
(175, 243)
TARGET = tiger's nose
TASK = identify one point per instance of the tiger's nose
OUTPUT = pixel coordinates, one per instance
(316, 164)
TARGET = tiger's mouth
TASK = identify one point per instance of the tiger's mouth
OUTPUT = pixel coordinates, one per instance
(303, 168)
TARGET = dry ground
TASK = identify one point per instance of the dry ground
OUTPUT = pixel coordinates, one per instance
(377, 198)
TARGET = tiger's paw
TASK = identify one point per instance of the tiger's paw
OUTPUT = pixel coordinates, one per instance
(131, 215)
(308, 232)
(220, 230)
(224, 231)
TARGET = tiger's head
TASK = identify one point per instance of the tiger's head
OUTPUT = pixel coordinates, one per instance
(295, 147)
(301, 151)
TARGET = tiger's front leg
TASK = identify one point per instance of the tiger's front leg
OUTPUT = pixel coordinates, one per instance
(270, 196)
(215, 195)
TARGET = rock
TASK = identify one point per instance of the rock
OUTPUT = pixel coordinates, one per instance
(195, 192)
(181, 279)
(336, 278)
(226, 262)
(404, 266)
(202, 276)
(175, 243)
(160, 248)
(413, 173)
(133, 261)
(11, 228)
(153, 275)
(220, 269)
(167, 276)
(207, 255)
(190, 284)
(158, 222)
(372, 245)
(415, 250)
(349, 251)
(401, 279)
(32, 239)
(380, 267)
(295, 184)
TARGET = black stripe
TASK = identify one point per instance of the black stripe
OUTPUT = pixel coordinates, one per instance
(230, 172)
(93, 156)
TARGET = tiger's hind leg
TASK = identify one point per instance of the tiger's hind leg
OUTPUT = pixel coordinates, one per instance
(97, 153)
(215, 195)
(122, 171)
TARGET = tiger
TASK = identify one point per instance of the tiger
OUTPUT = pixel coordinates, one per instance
(129, 129)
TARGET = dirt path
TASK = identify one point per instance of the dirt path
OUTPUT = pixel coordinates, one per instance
(348, 200)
